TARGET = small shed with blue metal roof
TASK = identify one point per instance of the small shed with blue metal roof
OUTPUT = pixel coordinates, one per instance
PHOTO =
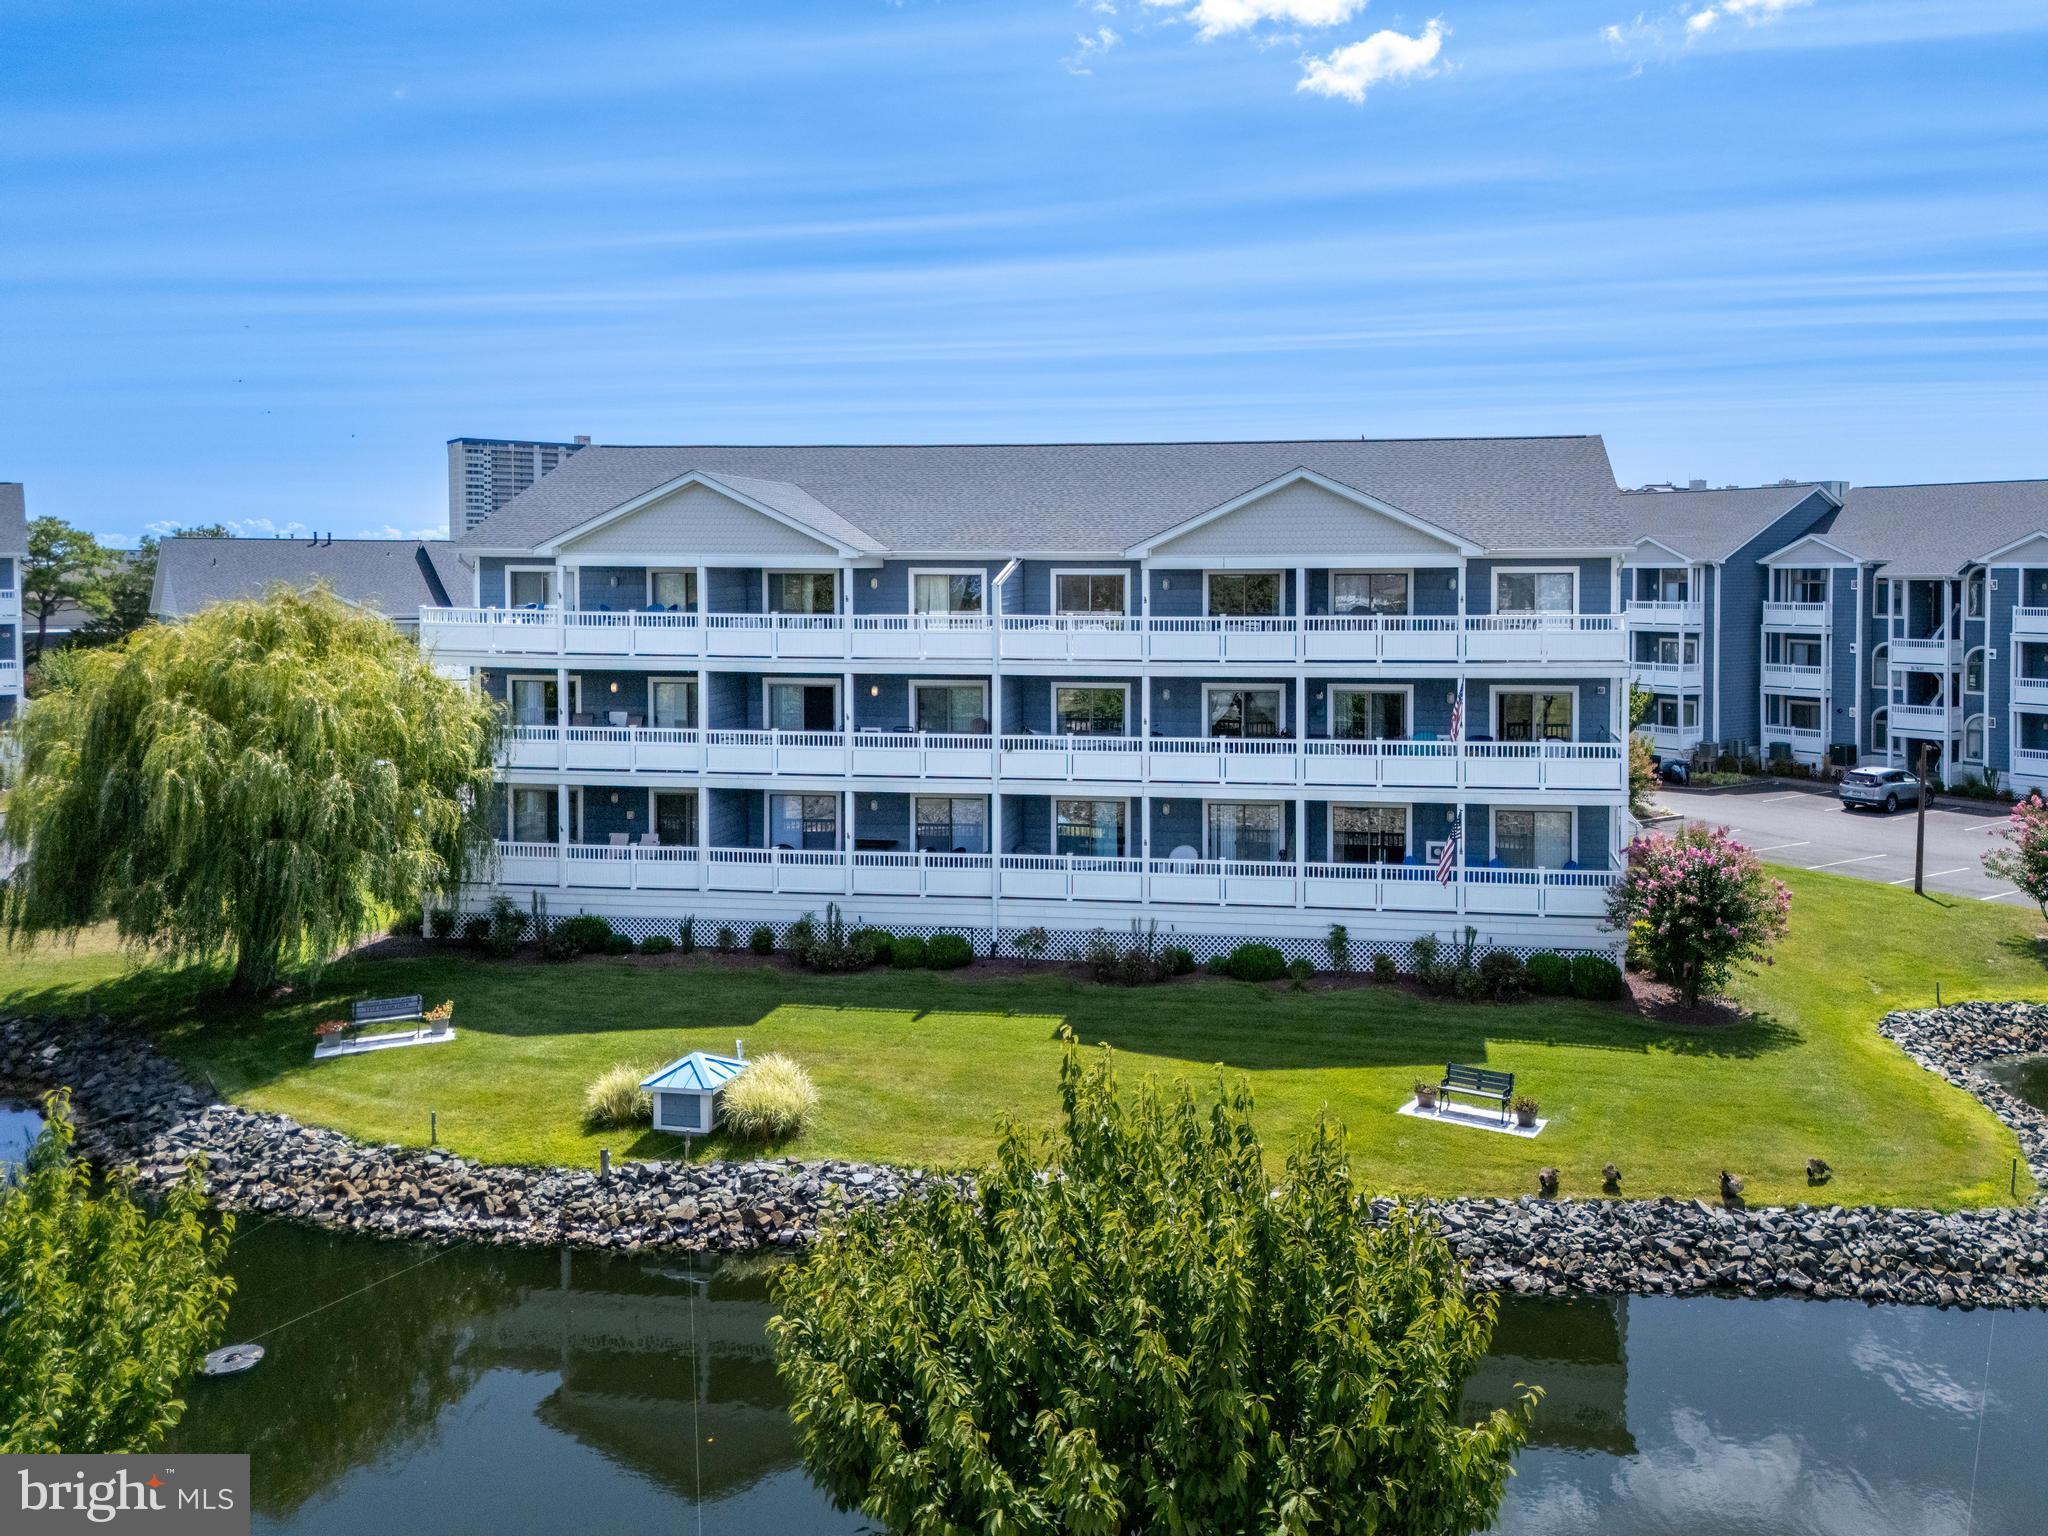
(686, 1091)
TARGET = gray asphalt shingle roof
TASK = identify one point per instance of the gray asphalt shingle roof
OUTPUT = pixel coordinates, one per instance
(1936, 530)
(1710, 525)
(394, 577)
(1076, 498)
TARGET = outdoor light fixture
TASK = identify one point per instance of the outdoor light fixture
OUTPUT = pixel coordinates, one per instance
(874, 582)
(615, 685)
(874, 690)
(874, 805)
(615, 797)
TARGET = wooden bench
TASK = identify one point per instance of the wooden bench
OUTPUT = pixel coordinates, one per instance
(1479, 1083)
(388, 1010)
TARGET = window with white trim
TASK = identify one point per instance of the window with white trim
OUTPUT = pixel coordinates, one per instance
(532, 814)
(1517, 592)
(1973, 670)
(1534, 839)
(1248, 830)
(1973, 595)
(1359, 593)
(1245, 594)
(1802, 584)
(1368, 834)
(672, 591)
(1245, 712)
(1084, 592)
(1369, 714)
(949, 708)
(804, 591)
(803, 821)
(1881, 667)
(1094, 828)
(528, 587)
(947, 592)
(672, 702)
(1090, 709)
(951, 823)
(1534, 716)
(1973, 739)
(1880, 730)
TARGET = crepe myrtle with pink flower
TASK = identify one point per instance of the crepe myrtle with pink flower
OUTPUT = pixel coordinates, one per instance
(2024, 858)
(1698, 904)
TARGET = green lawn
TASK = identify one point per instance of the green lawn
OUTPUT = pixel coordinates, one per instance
(920, 1068)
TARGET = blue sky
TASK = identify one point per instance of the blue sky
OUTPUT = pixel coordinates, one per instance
(257, 262)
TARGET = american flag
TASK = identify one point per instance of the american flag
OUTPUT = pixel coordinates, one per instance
(1458, 714)
(1448, 859)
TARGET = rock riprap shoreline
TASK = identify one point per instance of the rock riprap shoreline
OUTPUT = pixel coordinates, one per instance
(134, 1106)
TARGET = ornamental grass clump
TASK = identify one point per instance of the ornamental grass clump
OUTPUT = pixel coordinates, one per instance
(615, 1098)
(1135, 1324)
(1707, 905)
(773, 1100)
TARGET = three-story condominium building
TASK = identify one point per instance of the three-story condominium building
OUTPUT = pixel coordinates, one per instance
(13, 551)
(1244, 689)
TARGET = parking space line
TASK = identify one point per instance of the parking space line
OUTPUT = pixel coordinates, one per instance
(1838, 863)
(1932, 875)
(1795, 795)
(1999, 895)
(1774, 847)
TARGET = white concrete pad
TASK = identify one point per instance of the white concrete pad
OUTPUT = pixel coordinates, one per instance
(1472, 1117)
(362, 1044)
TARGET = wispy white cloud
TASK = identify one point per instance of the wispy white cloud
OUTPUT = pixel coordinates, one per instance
(1649, 35)
(260, 527)
(393, 531)
(1088, 47)
(1349, 72)
(1219, 18)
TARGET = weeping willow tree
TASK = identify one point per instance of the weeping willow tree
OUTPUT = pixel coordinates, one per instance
(266, 780)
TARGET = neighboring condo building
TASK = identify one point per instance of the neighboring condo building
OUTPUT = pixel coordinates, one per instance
(486, 472)
(13, 551)
(393, 577)
(988, 688)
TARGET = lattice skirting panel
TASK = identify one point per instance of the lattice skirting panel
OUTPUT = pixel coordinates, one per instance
(1204, 943)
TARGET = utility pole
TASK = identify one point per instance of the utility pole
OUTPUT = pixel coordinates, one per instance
(1920, 822)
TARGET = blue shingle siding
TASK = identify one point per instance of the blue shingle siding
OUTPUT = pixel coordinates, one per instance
(1027, 824)
(1707, 580)
(1847, 660)
(738, 818)
(734, 590)
(604, 692)
(1175, 823)
(616, 588)
(1316, 830)
(602, 815)
(734, 702)
(887, 711)
(882, 817)
(1999, 659)
(490, 574)
(6, 570)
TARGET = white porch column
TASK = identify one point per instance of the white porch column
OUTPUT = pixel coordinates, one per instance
(846, 840)
(1300, 813)
(561, 835)
(562, 717)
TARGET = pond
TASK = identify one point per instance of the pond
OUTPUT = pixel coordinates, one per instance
(2026, 1076)
(517, 1391)
(20, 1124)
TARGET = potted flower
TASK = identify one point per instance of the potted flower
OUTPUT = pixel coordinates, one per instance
(1425, 1095)
(440, 1013)
(1525, 1111)
(330, 1029)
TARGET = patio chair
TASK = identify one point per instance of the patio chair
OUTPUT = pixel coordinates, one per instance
(619, 839)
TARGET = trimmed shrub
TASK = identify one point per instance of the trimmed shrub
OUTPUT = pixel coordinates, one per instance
(1298, 973)
(725, 941)
(615, 1098)
(477, 931)
(657, 944)
(1138, 964)
(441, 922)
(800, 939)
(1253, 961)
(504, 927)
(877, 945)
(1550, 974)
(773, 1100)
(1384, 968)
(618, 944)
(910, 953)
(1176, 960)
(686, 935)
(558, 943)
(584, 934)
(1338, 942)
(1502, 975)
(762, 940)
(1031, 943)
(948, 952)
(1595, 977)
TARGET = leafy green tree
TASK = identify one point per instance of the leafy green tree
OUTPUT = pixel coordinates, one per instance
(268, 780)
(128, 580)
(105, 1308)
(1128, 1327)
(63, 565)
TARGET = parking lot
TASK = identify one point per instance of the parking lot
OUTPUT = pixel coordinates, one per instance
(1808, 829)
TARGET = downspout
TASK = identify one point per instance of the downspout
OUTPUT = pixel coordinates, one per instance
(1720, 574)
(995, 763)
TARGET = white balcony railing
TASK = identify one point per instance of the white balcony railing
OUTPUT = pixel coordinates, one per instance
(1666, 674)
(1920, 654)
(10, 677)
(1201, 761)
(2030, 690)
(2030, 621)
(1796, 615)
(2030, 763)
(1661, 614)
(1923, 719)
(1056, 877)
(571, 634)
(1778, 674)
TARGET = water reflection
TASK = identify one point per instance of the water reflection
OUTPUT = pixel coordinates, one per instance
(505, 1391)
(19, 1127)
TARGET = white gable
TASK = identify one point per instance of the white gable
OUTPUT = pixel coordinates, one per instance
(2032, 551)
(1302, 522)
(1810, 551)
(696, 522)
